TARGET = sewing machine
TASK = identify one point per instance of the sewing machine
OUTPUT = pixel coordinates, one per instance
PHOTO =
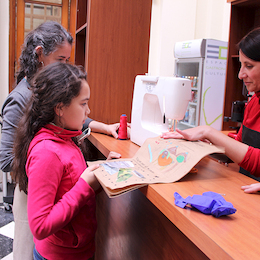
(158, 102)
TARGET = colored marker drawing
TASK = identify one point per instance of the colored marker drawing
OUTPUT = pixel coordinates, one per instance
(165, 159)
(181, 157)
(113, 167)
(124, 174)
(157, 161)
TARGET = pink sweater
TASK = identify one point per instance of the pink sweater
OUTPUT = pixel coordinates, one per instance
(61, 206)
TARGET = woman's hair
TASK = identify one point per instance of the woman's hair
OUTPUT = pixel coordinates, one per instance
(49, 35)
(250, 44)
(54, 84)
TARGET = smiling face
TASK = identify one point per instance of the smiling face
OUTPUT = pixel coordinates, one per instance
(249, 73)
(73, 116)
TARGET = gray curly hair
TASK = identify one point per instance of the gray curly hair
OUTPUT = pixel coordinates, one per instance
(49, 36)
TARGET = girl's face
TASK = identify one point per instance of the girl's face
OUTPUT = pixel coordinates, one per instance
(73, 117)
(249, 72)
(61, 54)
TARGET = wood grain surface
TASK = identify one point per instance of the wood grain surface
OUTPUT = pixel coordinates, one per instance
(146, 224)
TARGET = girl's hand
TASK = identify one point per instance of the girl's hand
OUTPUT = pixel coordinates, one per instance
(89, 177)
(251, 188)
(113, 155)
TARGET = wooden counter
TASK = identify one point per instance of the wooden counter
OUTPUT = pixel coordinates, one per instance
(146, 224)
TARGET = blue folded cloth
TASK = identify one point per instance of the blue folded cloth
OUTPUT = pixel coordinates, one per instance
(209, 202)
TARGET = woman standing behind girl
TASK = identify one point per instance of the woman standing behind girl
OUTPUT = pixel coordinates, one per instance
(61, 190)
(48, 43)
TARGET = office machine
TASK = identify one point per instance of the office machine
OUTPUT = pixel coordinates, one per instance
(158, 102)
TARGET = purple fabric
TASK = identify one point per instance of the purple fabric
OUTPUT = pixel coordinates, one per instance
(210, 203)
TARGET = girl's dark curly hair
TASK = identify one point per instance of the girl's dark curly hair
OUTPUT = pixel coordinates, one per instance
(250, 44)
(54, 84)
(49, 36)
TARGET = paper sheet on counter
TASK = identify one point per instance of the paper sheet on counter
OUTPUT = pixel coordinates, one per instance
(157, 161)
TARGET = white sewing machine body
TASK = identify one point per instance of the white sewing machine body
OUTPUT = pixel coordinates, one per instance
(155, 100)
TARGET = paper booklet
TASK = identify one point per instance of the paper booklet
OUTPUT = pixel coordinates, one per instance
(157, 161)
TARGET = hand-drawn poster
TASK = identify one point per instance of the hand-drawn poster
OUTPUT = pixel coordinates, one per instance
(157, 161)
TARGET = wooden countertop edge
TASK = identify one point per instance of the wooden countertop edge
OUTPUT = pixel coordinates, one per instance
(92, 138)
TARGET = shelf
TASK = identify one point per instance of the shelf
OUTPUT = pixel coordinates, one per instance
(82, 8)
(186, 124)
(245, 15)
(82, 29)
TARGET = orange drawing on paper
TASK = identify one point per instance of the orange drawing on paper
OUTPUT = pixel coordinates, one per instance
(169, 156)
(164, 158)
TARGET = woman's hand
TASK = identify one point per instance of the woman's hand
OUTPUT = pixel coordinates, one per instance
(255, 187)
(108, 129)
(89, 177)
(175, 135)
(113, 130)
(113, 155)
(128, 130)
(191, 134)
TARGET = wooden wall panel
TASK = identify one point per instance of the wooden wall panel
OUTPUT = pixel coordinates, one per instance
(19, 28)
(117, 50)
(72, 26)
(131, 227)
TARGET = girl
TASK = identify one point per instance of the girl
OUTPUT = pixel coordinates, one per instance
(246, 149)
(61, 190)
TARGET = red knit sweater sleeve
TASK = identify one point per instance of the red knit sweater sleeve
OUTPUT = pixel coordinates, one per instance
(251, 161)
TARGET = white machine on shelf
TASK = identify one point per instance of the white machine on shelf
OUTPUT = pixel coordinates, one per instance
(156, 102)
